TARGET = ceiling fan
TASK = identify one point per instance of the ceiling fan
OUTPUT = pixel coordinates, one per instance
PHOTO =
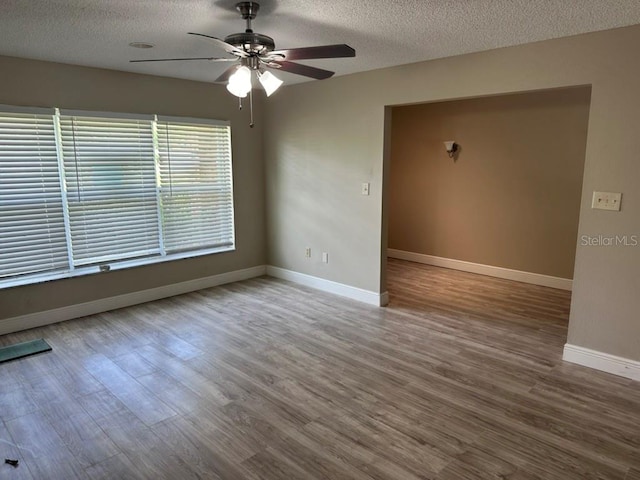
(255, 52)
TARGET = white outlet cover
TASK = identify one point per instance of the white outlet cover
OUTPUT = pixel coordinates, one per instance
(606, 201)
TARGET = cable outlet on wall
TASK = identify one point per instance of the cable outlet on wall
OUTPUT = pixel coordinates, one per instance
(325, 257)
(365, 188)
(606, 201)
(307, 252)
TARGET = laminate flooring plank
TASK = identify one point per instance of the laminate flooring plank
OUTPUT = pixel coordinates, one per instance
(151, 454)
(524, 475)
(355, 451)
(12, 451)
(109, 341)
(178, 396)
(15, 403)
(203, 450)
(202, 429)
(390, 444)
(476, 464)
(547, 459)
(633, 474)
(145, 405)
(78, 431)
(316, 463)
(118, 467)
(31, 368)
(136, 322)
(182, 372)
(265, 465)
(43, 450)
(436, 427)
(495, 407)
(83, 437)
(315, 400)
(101, 404)
(134, 365)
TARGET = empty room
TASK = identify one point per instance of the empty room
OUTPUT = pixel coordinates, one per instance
(319, 240)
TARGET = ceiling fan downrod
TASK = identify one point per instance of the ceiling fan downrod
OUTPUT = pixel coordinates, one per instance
(248, 10)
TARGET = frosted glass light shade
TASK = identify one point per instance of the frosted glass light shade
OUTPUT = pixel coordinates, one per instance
(240, 82)
(269, 82)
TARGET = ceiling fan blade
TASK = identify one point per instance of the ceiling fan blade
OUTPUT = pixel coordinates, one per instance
(300, 69)
(325, 51)
(227, 73)
(211, 59)
(227, 47)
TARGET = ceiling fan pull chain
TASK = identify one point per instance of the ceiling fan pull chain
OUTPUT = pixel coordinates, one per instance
(239, 103)
(251, 107)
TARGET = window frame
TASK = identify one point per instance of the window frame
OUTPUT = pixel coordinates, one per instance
(72, 271)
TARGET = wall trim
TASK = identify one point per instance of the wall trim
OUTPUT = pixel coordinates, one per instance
(366, 296)
(499, 272)
(39, 319)
(605, 362)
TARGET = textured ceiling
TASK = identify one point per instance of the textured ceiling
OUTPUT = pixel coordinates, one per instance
(383, 32)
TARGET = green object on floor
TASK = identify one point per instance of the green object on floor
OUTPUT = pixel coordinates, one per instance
(19, 350)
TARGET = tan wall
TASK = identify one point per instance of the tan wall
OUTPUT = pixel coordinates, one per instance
(510, 199)
(325, 138)
(34, 83)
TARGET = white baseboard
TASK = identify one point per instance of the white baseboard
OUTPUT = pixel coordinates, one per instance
(499, 272)
(39, 319)
(366, 296)
(605, 362)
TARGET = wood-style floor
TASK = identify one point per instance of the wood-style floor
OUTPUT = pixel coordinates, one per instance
(459, 378)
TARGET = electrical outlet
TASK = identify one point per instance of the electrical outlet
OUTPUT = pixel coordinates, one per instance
(325, 257)
(606, 201)
(307, 252)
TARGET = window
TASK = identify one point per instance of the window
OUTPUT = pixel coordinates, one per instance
(195, 186)
(81, 190)
(32, 230)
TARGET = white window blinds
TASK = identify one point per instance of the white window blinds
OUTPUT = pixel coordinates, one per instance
(81, 190)
(32, 230)
(195, 179)
(109, 174)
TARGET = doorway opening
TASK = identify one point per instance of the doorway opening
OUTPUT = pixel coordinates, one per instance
(506, 204)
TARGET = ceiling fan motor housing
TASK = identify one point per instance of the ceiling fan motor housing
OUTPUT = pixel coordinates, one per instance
(251, 42)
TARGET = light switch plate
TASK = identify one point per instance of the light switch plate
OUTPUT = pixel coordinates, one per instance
(606, 201)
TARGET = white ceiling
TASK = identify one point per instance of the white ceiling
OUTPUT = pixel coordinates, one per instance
(383, 32)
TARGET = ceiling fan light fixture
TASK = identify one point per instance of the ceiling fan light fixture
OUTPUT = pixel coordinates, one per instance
(240, 82)
(269, 82)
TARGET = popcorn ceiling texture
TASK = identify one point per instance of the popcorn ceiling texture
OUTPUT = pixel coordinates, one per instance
(384, 32)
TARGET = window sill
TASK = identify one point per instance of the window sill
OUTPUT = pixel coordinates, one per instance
(112, 266)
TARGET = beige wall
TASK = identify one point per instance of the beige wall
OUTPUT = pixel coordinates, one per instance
(510, 199)
(33, 83)
(325, 138)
